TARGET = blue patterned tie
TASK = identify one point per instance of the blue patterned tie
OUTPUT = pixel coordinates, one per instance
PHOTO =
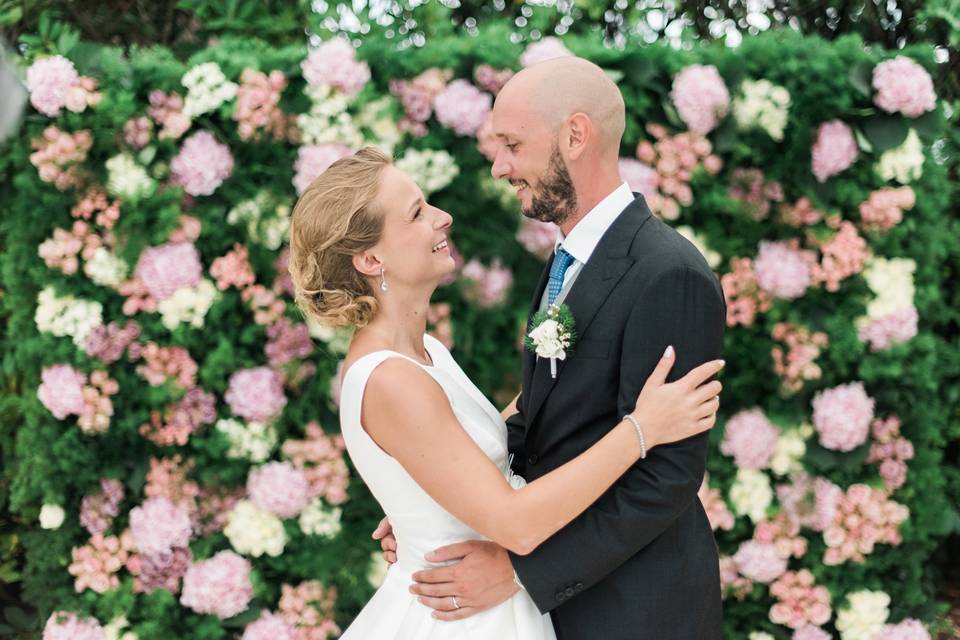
(561, 262)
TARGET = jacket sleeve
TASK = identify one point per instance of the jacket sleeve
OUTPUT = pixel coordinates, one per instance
(516, 436)
(683, 307)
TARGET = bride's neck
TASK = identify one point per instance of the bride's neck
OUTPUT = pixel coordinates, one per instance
(400, 323)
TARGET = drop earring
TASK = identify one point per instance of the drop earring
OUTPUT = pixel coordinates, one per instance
(383, 281)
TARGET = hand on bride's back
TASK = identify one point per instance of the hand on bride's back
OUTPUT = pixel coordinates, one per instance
(672, 411)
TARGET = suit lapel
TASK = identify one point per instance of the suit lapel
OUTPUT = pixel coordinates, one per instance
(605, 268)
(529, 358)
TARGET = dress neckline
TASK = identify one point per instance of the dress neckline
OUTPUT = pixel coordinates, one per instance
(426, 347)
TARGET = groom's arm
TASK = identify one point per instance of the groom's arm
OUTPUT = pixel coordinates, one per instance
(516, 436)
(684, 308)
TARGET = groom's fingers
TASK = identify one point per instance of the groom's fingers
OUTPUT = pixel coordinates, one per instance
(455, 614)
(441, 604)
(440, 574)
(451, 552)
(433, 590)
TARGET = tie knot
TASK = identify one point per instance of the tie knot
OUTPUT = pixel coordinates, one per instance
(561, 262)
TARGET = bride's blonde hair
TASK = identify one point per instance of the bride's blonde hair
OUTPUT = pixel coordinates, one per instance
(334, 219)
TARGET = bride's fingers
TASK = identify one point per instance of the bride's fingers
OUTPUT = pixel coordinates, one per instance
(706, 391)
(708, 408)
(707, 423)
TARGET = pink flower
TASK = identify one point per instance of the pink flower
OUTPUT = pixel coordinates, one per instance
(258, 100)
(220, 585)
(95, 565)
(883, 210)
(58, 156)
(891, 329)
(48, 81)
(169, 267)
(137, 132)
(903, 85)
(312, 160)
(800, 602)
(62, 625)
(798, 364)
(107, 342)
(160, 570)
(783, 269)
(844, 255)
(98, 510)
(537, 237)
(546, 49)
(810, 632)
(490, 79)
(487, 286)
(717, 512)
(202, 164)
(750, 187)
(842, 416)
(320, 457)
(760, 562)
(864, 518)
(834, 151)
(334, 63)
(743, 294)
(309, 606)
(61, 390)
(269, 626)
(287, 341)
(256, 394)
(909, 629)
(640, 177)
(731, 582)
(750, 438)
(233, 269)
(158, 526)
(167, 111)
(701, 97)
(462, 107)
(280, 488)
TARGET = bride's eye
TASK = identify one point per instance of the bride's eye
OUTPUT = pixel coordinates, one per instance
(416, 214)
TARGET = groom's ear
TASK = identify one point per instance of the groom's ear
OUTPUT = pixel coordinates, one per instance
(367, 263)
(577, 134)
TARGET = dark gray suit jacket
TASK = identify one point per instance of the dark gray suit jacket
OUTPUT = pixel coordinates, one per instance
(641, 563)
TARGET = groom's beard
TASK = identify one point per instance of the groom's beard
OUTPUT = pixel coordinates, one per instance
(555, 199)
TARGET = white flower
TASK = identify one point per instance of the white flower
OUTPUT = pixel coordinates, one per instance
(253, 441)
(337, 339)
(790, 449)
(253, 531)
(904, 163)
(700, 242)
(891, 281)
(327, 121)
(317, 520)
(751, 494)
(67, 316)
(105, 268)
(262, 227)
(377, 571)
(126, 179)
(547, 340)
(51, 516)
(863, 615)
(432, 170)
(762, 104)
(377, 118)
(207, 89)
(188, 304)
(112, 631)
(760, 635)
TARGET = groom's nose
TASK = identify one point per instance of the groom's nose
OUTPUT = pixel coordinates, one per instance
(501, 168)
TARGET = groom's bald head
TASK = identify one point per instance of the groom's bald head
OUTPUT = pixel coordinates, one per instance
(558, 88)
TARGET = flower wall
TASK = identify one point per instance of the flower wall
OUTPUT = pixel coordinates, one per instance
(176, 467)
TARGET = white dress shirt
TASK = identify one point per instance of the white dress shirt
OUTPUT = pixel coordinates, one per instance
(586, 235)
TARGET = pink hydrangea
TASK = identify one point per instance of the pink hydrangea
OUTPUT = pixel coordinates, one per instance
(59, 156)
(320, 457)
(842, 416)
(701, 97)
(61, 390)
(750, 187)
(158, 526)
(334, 63)
(537, 237)
(909, 629)
(202, 164)
(160, 570)
(750, 438)
(287, 341)
(891, 329)
(233, 269)
(256, 394)
(731, 582)
(220, 585)
(864, 518)
(834, 150)
(903, 85)
(62, 625)
(883, 210)
(462, 107)
(269, 626)
(491, 79)
(310, 607)
(258, 104)
(546, 49)
(800, 602)
(137, 132)
(744, 296)
(48, 81)
(811, 632)
(760, 562)
(280, 488)
(487, 286)
(95, 565)
(810, 502)
(783, 269)
(169, 267)
(167, 111)
(98, 510)
(640, 177)
(312, 160)
(798, 363)
(844, 255)
(717, 512)
(891, 450)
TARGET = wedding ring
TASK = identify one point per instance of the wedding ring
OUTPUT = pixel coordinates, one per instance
(456, 605)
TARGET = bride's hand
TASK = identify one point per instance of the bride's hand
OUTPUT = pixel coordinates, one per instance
(668, 412)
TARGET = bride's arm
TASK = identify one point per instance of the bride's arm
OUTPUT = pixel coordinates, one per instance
(510, 409)
(406, 412)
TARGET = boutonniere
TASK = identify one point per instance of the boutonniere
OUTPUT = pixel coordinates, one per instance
(552, 335)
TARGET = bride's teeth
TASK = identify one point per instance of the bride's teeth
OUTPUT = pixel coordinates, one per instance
(439, 246)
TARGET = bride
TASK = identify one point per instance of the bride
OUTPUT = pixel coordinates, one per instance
(367, 251)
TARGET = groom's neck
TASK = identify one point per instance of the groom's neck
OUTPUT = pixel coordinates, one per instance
(590, 192)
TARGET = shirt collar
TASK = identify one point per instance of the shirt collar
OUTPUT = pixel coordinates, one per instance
(586, 234)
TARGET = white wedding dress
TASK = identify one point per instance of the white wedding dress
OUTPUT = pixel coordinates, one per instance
(419, 523)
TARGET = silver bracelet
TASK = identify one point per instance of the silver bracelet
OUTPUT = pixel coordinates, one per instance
(643, 441)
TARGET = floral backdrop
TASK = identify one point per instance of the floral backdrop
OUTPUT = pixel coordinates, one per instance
(177, 462)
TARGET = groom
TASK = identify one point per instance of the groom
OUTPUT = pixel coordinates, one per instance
(641, 563)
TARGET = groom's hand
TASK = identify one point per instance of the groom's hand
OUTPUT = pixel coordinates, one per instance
(388, 543)
(481, 579)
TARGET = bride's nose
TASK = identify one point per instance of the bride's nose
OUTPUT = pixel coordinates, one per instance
(444, 219)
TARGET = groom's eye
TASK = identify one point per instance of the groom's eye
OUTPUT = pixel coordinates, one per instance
(513, 146)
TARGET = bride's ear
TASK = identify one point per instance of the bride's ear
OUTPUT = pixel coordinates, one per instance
(367, 263)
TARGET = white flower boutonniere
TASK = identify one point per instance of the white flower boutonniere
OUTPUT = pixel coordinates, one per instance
(552, 336)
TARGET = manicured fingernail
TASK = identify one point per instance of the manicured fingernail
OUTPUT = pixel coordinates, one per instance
(669, 352)
(430, 556)
(723, 363)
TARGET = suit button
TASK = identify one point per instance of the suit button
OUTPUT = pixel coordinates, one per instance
(560, 597)
(578, 587)
(568, 592)
(533, 459)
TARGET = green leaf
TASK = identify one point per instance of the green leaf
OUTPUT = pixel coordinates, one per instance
(11, 16)
(885, 132)
(242, 619)
(18, 617)
(861, 75)
(725, 137)
(930, 123)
